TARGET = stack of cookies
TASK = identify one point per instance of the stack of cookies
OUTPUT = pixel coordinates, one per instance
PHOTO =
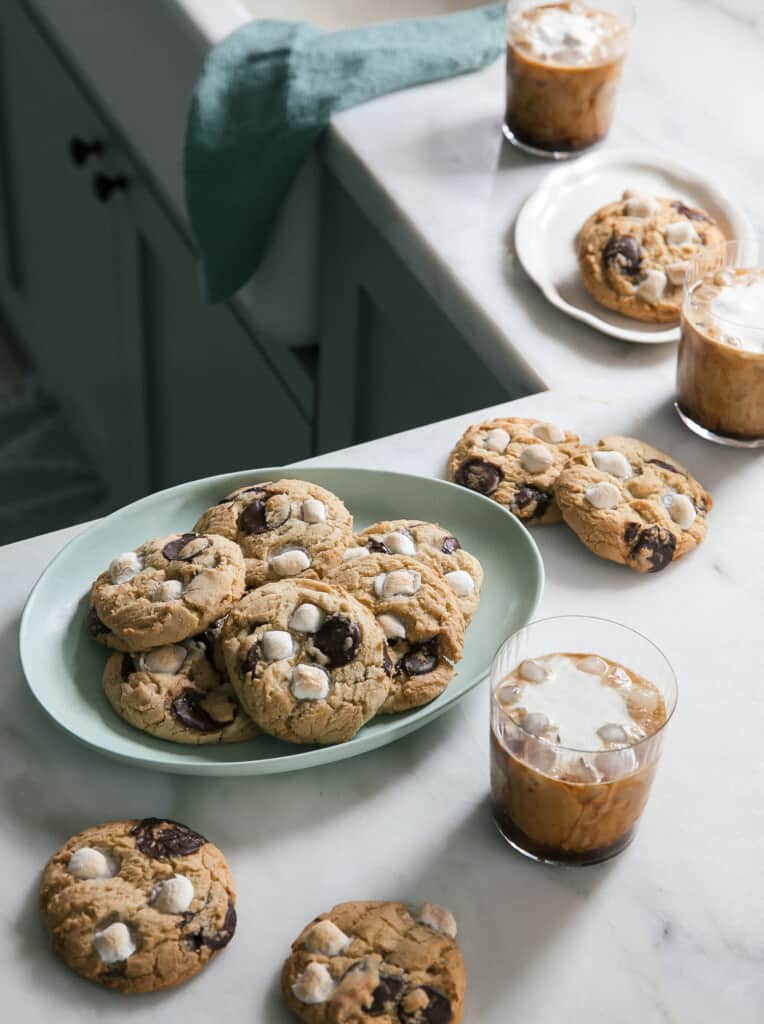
(273, 616)
(625, 500)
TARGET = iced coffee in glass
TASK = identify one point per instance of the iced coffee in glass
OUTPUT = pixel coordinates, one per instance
(564, 64)
(720, 363)
(579, 709)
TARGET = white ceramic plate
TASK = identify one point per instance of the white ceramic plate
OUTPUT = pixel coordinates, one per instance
(547, 225)
(63, 666)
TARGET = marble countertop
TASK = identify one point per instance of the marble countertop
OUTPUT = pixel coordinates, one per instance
(670, 931)
(430, 168)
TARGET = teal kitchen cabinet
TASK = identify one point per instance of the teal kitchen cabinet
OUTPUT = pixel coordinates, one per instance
(100, 286)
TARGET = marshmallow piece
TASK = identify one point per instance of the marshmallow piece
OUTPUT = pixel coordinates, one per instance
(639, 205)
(88, 862)
(400, 543)
(603, 495)
(497, 440)
(536, 458)
(354, 553)
(532, 672)
(615, 763)
(277, 645)
(536, 723)
(460, 582)
(326, 938)
(612, 462)
(314, 985)
(549, 432)
(594, 665)
(309, 682)
(392, 627)
(169, 590)
(174, 895)
(114, 944)
(680, 233)
(167, 660)
(290, 562)
(313, 511)
(675, 272)
(398, 583)
(508, 694)
(438, 918)
(124, 567)
(681, 510)
(306, 618)
(653, 286)
(611, 732)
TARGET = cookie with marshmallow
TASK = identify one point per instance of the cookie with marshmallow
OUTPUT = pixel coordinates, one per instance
(176, 693)
(138, 905)
(515, 462)
(164, 591)
(285, 528)
(634, 504)
(378, 961)
(420, 616)
(435, 546)
(308, 662)
(633, 254)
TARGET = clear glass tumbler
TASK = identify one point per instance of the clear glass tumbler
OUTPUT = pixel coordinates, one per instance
(564, 64)
(720, 362)
(562, 805)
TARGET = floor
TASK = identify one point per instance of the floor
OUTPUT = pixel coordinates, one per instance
(45, 482)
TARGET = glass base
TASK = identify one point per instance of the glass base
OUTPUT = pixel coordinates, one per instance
(710, 435)
(583, 860)
(549, 154)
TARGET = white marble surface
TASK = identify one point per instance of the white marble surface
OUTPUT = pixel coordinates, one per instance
(430, 168)
(670, 931)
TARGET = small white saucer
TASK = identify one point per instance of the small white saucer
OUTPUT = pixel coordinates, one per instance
(547, 225)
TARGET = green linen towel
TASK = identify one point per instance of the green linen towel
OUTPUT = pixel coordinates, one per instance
(267, 92)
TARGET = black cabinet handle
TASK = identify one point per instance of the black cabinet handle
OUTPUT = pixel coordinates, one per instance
(103, 185)
(80, 150)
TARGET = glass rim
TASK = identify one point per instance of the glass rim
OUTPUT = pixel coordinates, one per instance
(628, 15)
(581, 750)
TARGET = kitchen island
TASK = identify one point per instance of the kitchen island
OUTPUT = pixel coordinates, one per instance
(668, 931)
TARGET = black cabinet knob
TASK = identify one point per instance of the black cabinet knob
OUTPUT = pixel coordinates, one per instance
(80, 150)
(103, 185)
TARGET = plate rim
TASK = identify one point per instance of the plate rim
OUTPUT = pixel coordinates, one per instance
(535, 201)
(400, 725)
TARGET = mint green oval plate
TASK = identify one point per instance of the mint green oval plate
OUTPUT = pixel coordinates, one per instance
(63, 665)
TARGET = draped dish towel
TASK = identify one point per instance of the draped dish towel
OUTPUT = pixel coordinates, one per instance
(264, 97)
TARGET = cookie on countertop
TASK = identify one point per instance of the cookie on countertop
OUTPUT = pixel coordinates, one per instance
(515, 462)
(421, 618)
(285, 528)
(167, 590)
(632, 503)
(176, 693)
(308, 662)
(138, 905)
(432, 544)
(633, 254)
(373, 961)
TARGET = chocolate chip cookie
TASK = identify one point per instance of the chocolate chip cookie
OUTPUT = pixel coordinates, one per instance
(176, 693)
(633, 254)
(308, 662)
(632, 503)
(138, 905)
(385, 962)
(285, 528)
(420, 616)
(515, 461)
(167, 590)
(433, 545)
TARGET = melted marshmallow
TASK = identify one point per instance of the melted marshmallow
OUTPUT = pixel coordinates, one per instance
(741, 306)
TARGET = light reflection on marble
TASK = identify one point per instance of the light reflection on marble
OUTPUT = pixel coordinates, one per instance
(669, 931)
